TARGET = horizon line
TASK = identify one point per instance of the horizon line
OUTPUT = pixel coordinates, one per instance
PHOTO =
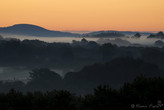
(81, 31)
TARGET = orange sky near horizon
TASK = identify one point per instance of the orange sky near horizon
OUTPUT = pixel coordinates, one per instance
(89, 15)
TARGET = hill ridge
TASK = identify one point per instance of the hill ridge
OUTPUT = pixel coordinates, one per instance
(34, 30)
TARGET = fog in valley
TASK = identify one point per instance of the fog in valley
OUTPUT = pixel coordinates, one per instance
(21, 73)
(73, 61)
(129, 39)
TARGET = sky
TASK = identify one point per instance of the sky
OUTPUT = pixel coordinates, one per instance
(85, 15)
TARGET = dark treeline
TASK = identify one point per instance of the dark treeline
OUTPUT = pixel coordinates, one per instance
(141, 93)
(35, 53)
(74, 56)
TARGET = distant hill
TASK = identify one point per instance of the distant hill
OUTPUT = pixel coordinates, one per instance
(114, 33)
(33, 30)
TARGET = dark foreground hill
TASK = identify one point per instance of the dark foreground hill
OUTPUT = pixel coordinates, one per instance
(33, 30)
(114, 73)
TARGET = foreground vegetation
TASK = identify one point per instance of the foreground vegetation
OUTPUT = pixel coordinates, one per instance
(142, 93)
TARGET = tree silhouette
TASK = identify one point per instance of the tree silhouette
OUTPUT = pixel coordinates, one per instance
(137, 35)
(44, 79)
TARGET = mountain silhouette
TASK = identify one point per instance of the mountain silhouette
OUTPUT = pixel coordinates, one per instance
(33, 30)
